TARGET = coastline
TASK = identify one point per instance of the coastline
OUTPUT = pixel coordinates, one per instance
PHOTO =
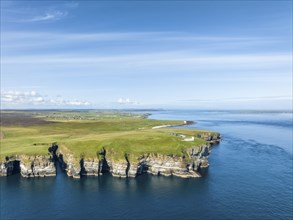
(164, 149)
(154, 164)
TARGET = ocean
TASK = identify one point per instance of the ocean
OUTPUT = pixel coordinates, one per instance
(250, 177)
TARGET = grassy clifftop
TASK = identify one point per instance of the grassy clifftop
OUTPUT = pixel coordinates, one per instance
(84, 133)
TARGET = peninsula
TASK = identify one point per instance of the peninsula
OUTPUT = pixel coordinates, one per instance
(92, 142)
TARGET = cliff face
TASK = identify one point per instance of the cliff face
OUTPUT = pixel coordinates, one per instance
(69, 164)
(7, 168)
(37, 166)
(28, 166)
(169, 165)
(118, 169)
(155, 164)
(90, 168)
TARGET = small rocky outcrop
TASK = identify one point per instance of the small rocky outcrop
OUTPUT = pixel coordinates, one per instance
(210, 137)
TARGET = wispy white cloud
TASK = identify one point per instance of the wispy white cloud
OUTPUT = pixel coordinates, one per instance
(172, 58)
(18, 98)
(31, 39)
(21, 13)
(127, 101)
(48, 16)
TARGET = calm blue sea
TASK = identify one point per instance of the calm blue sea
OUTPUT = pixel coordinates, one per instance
(250, 177)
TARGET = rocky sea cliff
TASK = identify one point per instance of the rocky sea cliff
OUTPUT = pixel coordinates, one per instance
(189, 166)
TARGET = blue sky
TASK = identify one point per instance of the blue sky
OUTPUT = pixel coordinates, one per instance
(127, 54)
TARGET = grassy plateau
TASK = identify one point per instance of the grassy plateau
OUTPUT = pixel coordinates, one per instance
(84, 133)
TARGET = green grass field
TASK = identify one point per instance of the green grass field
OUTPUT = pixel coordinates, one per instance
(85, 133)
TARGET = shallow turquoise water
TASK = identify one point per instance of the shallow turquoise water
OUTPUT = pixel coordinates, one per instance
(250, 177)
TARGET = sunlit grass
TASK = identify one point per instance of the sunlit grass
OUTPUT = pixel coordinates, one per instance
(121, 135)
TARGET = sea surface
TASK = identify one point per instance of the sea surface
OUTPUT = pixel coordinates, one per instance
(250, 177)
